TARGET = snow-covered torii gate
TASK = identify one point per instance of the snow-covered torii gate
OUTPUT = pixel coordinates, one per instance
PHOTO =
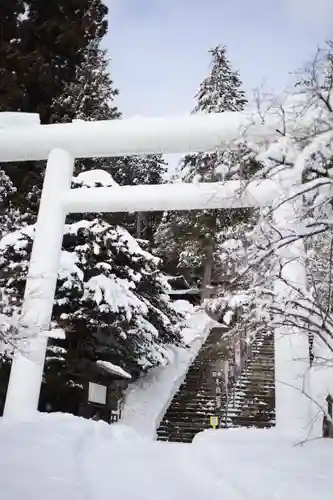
(22, 138)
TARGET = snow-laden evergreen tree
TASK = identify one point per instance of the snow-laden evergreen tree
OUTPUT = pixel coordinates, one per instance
(90, 96)
(54, 39)
(196, 234)
(6, 221)
(111, 300)
(6, 190)
(11, 89)
(222, 89)
(44, 43)
(134, 170)
(10, 220)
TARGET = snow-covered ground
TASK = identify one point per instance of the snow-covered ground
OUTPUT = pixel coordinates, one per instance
(69, 458)
(57, 456)
(147, 399)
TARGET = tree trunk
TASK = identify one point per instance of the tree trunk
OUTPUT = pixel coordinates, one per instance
(139, 223)
(208, 267)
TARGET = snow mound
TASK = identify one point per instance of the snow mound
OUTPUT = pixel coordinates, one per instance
(115, 292)
(183, 307)
(133, 245)
(61, 456)
(17, 239)
(95, 178)
(262, 464)
(114, 369)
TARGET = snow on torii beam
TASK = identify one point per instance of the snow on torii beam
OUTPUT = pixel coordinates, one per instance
(179, 196)
(132, 136)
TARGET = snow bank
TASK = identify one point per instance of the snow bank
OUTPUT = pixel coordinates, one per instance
(114, 369)
(148, 398)
(262, 464)
(183, 307)
(64, 457)
(93, 178)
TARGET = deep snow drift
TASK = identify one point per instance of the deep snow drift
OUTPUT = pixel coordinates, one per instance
(69, 458)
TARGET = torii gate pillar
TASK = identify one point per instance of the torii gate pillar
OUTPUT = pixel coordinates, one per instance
(27, 368)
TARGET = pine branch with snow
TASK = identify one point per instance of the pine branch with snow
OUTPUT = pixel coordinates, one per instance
(300, 160)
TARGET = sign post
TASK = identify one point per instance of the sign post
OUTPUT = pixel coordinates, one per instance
(218, 378)
(214, 421)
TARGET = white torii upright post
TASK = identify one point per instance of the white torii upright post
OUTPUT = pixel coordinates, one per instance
(61, 144)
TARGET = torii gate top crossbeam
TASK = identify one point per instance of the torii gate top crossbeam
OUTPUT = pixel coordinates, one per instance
(132, 136)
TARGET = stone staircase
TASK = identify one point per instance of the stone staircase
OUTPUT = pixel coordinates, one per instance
(194, 403)
(250, 401)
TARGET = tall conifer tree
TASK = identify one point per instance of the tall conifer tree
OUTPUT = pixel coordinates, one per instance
(197, 234)
(44, 44)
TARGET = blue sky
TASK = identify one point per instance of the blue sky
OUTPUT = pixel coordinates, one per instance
(159, 48)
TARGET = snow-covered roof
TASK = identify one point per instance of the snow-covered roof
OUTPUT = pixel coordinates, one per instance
(114, 369)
